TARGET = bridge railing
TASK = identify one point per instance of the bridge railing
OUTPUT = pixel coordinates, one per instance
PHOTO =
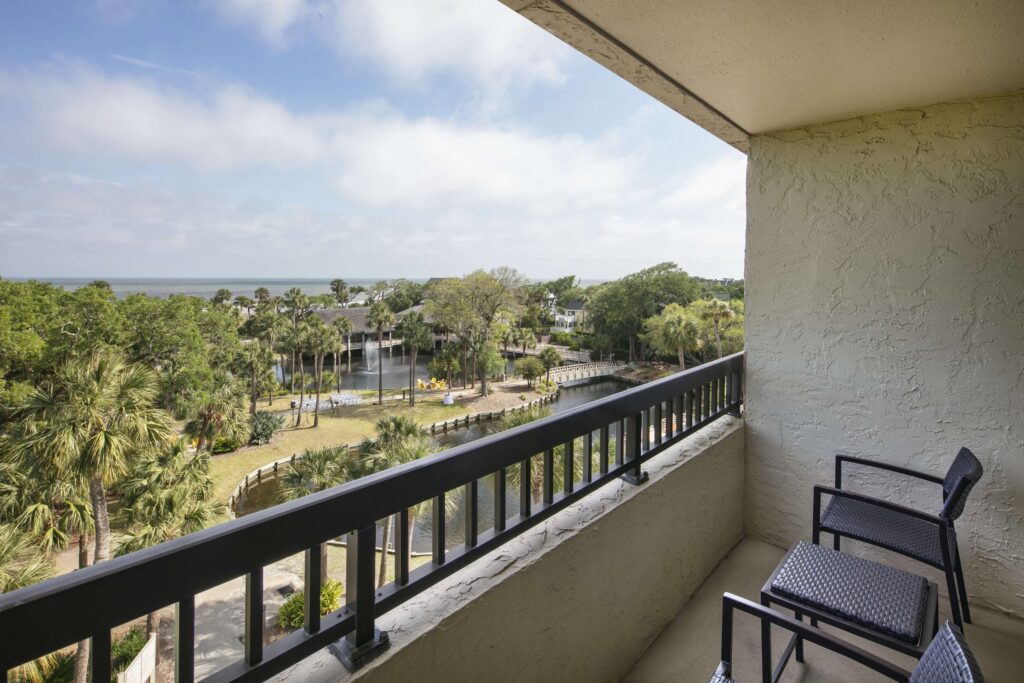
(616, 434)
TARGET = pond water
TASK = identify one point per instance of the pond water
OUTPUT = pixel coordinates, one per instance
(364, 375)
(267, 494)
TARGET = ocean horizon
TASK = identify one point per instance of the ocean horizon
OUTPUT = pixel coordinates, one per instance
(164, 287)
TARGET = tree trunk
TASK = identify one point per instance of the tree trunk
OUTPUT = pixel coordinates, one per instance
(382, 576)
(302, 391)
(483, 378)
(682, 359)
(337, 370)
(380, 368)
(465, 369)
(348, 349)
(318, 370)
(252, 396)
(291, 374)
(718, 339)
(82, 652)
(98, 497)
(632, 348)
(412, 377)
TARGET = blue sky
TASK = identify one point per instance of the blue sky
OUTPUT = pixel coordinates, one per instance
(340, 138)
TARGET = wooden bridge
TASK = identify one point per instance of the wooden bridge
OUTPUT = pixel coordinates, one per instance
(567, 373)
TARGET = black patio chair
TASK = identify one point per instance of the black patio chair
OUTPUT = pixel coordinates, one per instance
(947, 659)
(928, 538)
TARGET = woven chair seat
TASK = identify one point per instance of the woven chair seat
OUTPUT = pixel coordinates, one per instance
(947, 659)
(882, 598)
(719, 678)
(887, 528)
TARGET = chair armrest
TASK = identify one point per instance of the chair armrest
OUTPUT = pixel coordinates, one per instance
(878, 464)
(819, 489)
(805, 631)
(882, 465)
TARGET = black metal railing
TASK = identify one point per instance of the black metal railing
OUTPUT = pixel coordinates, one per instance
(617, 433)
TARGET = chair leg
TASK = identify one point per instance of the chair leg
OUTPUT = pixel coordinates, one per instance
(835, 540)
(962, 589)
(766, 647)
(954, 599)
(799, 640)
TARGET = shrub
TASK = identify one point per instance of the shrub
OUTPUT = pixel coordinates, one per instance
(263, 426)
(547, 386)
(125, 649)
(292, 612)
(561, 338)
(529, 368)
(574, 345)
(226, 444)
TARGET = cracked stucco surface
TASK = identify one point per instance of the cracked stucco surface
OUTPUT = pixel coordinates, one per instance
(580, 596)
(885, 318)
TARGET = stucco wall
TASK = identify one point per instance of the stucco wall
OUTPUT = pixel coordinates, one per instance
(885, 317)
(580, 596)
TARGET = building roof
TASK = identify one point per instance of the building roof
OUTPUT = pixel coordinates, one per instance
(745, 67)
(575, 305)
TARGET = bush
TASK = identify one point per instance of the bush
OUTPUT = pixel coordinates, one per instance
(125, 649)
(292, 612)
(574, 345)
(529, 368)
(226, 444)
(547, 386)
(263, 426)
(561, 338)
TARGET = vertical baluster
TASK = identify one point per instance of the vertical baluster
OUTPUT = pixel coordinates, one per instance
(645, 430)
(254, 617)
(588, 457)
(438, 529)
(100, 660)
(603, 457)
(402, 546)
(500, 502)
(691, 399)
(677, 409)
(620, 443)
(525, 488)
(184, 640)
(549, 476)
(568, 471)
(698, 409)
(657, 423)
(360, 597)
(634, 427)
(471, 498)
(311, 590)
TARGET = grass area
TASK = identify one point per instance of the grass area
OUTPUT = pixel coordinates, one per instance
(347, 424)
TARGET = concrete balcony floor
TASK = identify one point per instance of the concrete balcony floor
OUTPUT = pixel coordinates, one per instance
(688, 649)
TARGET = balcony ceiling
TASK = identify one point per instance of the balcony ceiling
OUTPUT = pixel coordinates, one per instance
(741, 67)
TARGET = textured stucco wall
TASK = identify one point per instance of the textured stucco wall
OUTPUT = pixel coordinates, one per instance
(580, 596)
(885, 317)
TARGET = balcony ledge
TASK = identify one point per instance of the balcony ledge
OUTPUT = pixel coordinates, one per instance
(583, 594)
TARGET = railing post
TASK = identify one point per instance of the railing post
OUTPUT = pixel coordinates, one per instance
(184, 640)
(634, 425)
(365, 641)
(254, 617)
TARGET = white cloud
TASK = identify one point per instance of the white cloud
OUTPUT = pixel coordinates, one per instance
(273, 19)
(411, 196)
(414, 40)
(479, 39)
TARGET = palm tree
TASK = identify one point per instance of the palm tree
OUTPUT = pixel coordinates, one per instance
(298, 304)
(343, 326)
(340, 290)
(21, 563)
(255, 358)
(513, 473)
(86, 423)
(398, 440)
(527, 339)
(221, 413)
(380, 317)
(295, 341)
(221, 297)
(244, 302)
(320, 340)
(318, 470)
(716, 311)
(679, 331)
(262, 295)
(550, 357)
(168, 493)
(273, 328)
(416, 336)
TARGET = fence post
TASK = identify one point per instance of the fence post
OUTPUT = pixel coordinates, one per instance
(634, 427)
(366, 641)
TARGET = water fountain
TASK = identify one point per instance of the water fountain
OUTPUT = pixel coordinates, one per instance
(371, 355)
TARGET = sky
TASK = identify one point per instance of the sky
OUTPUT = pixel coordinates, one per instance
(340, 138)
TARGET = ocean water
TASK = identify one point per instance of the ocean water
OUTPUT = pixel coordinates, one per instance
(206, 288)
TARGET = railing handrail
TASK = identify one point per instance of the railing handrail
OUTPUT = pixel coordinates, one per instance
(55, 613)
